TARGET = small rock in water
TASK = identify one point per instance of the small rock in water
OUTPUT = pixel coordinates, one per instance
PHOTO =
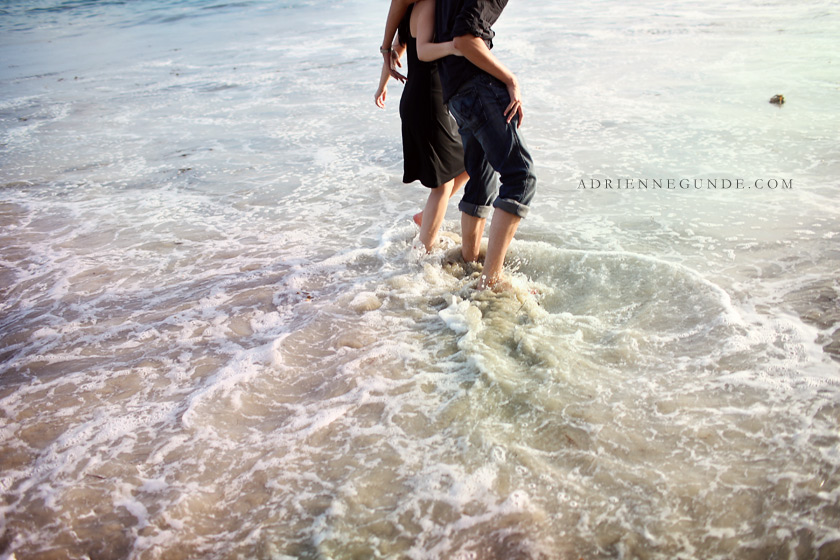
(778, 100)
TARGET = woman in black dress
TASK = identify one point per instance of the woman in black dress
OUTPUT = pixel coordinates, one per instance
(432, 152)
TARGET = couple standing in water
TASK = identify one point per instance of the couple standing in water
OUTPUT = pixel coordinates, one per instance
(484, 97)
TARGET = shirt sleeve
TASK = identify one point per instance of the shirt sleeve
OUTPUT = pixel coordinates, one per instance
(476, 17)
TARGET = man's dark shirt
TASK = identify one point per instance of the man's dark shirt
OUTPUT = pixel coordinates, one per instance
(454, 18)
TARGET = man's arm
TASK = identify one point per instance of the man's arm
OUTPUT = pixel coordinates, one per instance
(476, 51)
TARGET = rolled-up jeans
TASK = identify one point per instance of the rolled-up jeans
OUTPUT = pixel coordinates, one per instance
(492, 144)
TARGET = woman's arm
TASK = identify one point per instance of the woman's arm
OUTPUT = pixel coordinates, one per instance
(382, 90)
(424, 11)
(395, 15)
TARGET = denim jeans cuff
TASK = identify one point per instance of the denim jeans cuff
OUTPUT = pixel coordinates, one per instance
(474, 209)
(511, 206)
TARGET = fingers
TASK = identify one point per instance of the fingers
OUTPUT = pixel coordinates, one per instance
(514, 109)
(393, 69)
(395, 63)
(379, 97)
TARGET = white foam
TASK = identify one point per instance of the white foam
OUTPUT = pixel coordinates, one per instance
(461, 316)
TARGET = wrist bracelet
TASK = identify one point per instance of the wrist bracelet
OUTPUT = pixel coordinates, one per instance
(384, 50)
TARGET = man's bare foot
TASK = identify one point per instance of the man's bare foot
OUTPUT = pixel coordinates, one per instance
(502, 286)
(499, 285)
(485, 283)
(418, 218)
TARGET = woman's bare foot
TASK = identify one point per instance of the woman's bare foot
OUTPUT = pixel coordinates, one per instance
(418, 218)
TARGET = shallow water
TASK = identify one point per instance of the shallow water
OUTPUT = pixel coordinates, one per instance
(219, 338)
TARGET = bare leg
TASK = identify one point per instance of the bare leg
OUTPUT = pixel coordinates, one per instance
(460, 181)
(434, 213)
(502, 230)
(472, 229)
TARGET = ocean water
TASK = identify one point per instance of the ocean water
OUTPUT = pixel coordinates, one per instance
(219, 338)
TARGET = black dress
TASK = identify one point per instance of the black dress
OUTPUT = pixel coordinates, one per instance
(432, 151)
